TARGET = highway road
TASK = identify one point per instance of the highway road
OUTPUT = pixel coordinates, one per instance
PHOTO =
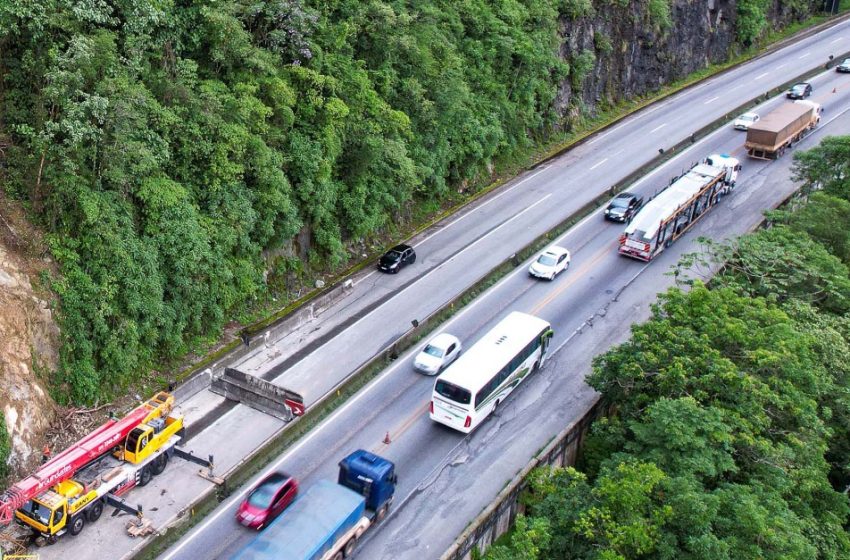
(436, 493)
(447, 478)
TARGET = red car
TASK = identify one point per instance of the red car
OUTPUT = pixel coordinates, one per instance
(265, 502)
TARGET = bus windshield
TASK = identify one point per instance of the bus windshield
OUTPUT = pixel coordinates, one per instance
(453, 392)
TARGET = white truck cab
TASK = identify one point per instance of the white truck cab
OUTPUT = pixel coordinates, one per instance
(727, 162)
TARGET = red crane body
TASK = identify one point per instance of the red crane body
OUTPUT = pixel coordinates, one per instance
(66, 464)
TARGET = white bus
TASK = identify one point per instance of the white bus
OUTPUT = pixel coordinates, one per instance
(472, 387)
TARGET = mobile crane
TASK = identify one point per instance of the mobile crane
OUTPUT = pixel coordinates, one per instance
(74, 486)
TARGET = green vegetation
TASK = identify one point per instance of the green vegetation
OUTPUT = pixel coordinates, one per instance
(575, 9)
(659, 14)
(581, 66)
(602, 43)
(190, 163)
(168, 149)
(751, 20)
(5, 448)
(731, 406)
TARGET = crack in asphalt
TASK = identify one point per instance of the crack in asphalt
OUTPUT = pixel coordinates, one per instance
(453, 459)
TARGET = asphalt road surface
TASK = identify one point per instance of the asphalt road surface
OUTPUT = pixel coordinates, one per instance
(447, 478)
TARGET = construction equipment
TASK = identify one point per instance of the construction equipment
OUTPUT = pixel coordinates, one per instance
(73, 487)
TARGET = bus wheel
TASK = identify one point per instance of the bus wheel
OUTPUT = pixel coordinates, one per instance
(495, 408)
(535, 367)
(94, 511)
(77, 524)
(349, 547)
(145, 476)
(159, 464)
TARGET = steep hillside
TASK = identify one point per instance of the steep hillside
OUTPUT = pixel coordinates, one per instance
(29, 339)
(189, 160)
(626, 49)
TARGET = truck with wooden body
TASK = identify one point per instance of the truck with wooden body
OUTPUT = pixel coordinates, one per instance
(778, 130)
(677, 208)
(326, 522)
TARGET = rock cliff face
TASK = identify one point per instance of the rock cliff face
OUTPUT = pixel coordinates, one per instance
(634, 54)
(621, 49)
(29, 341)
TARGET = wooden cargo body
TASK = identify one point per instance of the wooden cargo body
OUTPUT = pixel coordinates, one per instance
(786, 124)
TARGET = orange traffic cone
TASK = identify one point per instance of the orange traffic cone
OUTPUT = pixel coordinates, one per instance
(387, 440)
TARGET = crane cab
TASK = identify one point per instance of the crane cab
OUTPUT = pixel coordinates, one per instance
(145, 439)
(47, 514)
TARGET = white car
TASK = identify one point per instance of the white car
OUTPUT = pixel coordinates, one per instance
(441, 351)
(745, 121)
(550, 262)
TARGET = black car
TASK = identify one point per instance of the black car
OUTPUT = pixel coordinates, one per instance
(844, 66)
(396, 258)
(799, 91)
(623, 208)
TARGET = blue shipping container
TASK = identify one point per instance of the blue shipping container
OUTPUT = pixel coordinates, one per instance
(310, 526)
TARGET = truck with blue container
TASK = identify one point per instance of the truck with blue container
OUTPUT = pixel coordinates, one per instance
(326, 522)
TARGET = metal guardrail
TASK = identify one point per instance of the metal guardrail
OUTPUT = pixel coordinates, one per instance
(420, 327)
(499, 517)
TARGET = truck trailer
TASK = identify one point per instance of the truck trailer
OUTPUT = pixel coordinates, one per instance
(326, 522)
(788, 123)
(674, 210)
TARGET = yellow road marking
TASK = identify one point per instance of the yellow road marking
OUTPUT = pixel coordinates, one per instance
(573, 278)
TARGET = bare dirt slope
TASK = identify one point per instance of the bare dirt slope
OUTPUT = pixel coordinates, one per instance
(29, 337)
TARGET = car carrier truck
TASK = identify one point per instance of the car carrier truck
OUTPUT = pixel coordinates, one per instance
(674, 210)
(328, 519)
(788, 123)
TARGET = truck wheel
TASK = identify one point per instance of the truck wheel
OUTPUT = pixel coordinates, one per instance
(77, 524)
(349, 547)
(94, 511)
(159, 464)
(145, 476)
(381, 513)
(338, 555)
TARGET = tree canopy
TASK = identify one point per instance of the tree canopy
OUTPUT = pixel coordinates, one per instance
(729, 430)
(171, 150)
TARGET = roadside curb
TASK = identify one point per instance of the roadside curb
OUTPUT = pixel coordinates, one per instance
(303, 309)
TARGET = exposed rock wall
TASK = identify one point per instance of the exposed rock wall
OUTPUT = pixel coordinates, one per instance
(635, 56)
(29, 341)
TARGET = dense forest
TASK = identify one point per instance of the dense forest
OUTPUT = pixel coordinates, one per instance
(186, 157)
(729, 432)
(188, 160)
